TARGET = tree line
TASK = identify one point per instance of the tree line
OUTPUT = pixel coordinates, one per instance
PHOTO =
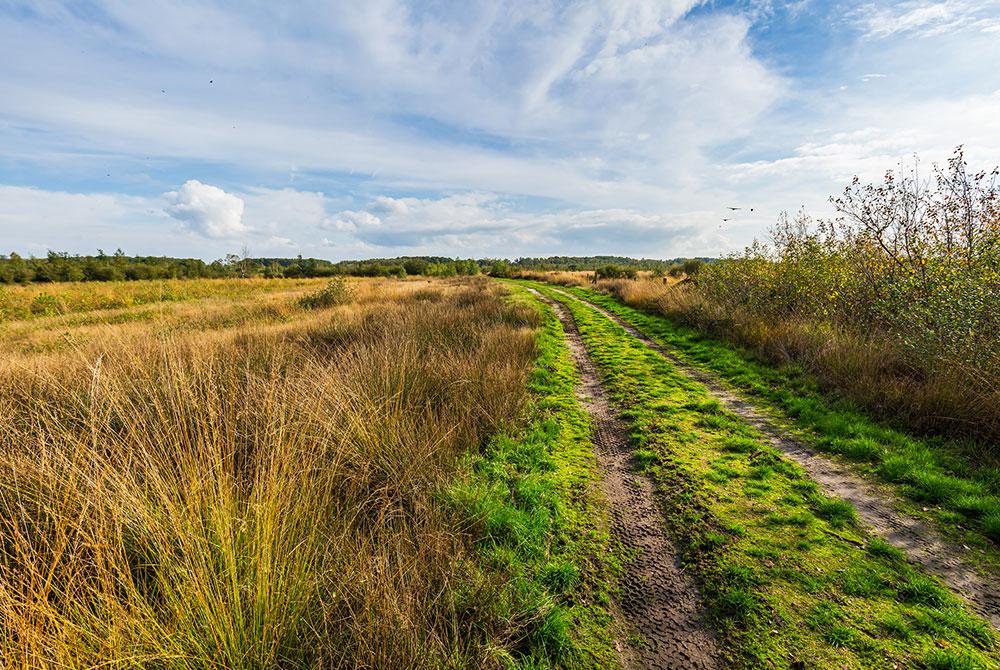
(64, 267)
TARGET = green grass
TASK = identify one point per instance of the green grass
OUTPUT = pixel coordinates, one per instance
(930, 471)
(534, 499)
(789, 578)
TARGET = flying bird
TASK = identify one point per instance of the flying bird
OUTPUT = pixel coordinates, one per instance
(734, 208)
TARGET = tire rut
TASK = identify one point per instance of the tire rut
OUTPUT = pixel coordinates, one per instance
(922, 544)
(659, 601)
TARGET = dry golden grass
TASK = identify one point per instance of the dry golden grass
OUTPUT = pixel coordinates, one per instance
(251, 485)
(559, 277)
(872, 370)
(42, 300)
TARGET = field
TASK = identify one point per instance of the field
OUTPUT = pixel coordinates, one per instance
(233, 480)
(465, 472)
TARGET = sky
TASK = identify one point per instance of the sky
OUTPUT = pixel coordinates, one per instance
(470, 129)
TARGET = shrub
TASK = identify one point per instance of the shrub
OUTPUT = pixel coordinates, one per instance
(896, 303)
(337, 292)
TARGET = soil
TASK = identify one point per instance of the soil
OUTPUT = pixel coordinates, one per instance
(877, 508)
(659, 602)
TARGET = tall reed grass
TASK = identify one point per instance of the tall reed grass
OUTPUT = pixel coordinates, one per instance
(260, 496)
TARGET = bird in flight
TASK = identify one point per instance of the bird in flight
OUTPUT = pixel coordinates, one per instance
(734, 208)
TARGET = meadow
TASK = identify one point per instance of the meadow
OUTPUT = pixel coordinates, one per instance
(252, 474)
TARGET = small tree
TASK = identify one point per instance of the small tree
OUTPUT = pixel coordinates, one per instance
(691, 267)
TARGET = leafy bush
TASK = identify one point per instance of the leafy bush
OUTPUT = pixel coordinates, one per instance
(615, 272)
(896, 302)
(336, 292)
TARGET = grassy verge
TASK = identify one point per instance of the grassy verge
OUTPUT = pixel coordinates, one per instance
(933, 473)
(534, 502)
(790, 579)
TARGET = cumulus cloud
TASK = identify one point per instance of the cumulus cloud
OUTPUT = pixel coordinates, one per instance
(350, 220)
(207, 210)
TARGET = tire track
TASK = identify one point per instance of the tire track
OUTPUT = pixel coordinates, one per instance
(877, 508)
(659, 600)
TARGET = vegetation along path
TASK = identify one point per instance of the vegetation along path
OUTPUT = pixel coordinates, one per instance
(659, 600)
(876, 507)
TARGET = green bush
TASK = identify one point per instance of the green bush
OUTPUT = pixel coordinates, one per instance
(615, 272)
(336, 292)
(898, 299)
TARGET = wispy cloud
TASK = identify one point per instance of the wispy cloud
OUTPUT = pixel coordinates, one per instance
(925, 18)
(398, 124)
(484, 224)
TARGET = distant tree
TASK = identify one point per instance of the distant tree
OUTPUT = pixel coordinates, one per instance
(274, 270)
(692, 266)
(615, 272)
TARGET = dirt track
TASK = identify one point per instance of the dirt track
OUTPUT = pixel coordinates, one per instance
(877, 508)
(658, 601)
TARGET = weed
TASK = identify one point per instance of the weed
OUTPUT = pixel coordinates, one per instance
(947, 660)
(214, 488)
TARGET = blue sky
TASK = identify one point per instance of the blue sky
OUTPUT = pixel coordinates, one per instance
(383, 128)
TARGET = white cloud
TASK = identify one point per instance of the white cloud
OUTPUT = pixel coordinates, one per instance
(481, 224)
(927, 18)
(207, 210)
(279, 241)
(538, 76)
(547, 123)
(38, 221)
(350, 221)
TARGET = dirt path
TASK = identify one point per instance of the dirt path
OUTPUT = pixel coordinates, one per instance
(659, 601)
(922, 543)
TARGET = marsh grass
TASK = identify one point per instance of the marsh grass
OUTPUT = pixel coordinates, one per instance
(261, 494)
